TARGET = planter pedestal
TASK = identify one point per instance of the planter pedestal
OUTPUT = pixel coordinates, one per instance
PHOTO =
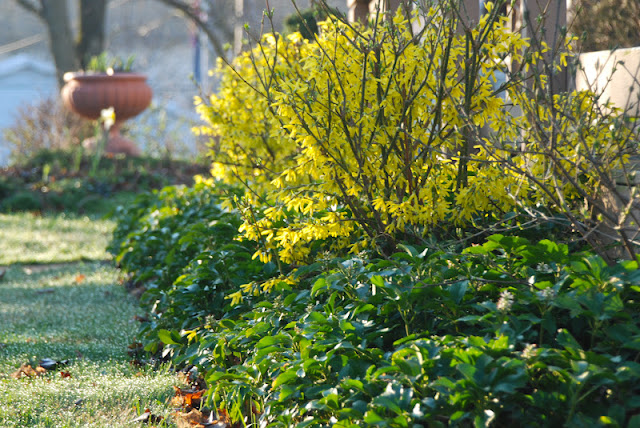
(87, 94)
(115, 144)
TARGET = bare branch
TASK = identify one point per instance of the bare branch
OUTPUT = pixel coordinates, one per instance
(194, 16)
(31, 7)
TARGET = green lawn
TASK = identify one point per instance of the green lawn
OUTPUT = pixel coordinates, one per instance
(75, 311)
(29, 238)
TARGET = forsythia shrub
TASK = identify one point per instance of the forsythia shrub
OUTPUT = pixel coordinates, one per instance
(367, 137)
(376, 137)
(373, 122)
(250, 146)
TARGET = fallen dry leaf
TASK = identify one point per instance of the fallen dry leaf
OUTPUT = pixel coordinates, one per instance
(223, 416)
(65, 374)
(79, 278)
(193, 419)
(187, 397)
(28, 371)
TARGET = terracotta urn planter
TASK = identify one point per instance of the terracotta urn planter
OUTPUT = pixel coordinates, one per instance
(87, 94)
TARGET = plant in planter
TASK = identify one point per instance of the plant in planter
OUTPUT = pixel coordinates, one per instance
(108, 83)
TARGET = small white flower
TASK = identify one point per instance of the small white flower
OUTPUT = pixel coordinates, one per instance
(547, 294)
(529, 351)
(505, 301)
(108, 117)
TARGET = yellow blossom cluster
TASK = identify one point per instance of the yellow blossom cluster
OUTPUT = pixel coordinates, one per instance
(378, 120)
(394, 128)
(248, 143)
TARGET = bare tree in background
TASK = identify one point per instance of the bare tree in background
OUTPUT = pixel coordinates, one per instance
(213, 20)
(219, 20)
(69, 52)
(222, 21)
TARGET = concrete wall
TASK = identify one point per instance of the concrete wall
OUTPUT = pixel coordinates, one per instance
(615, 74)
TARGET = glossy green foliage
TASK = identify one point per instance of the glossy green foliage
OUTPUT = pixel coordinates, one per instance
(505, 333)
(179, 244)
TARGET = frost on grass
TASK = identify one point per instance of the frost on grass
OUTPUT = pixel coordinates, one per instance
(95, 394)
(87, 318)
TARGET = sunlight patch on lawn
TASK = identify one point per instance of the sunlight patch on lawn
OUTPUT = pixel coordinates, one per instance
(29, 238)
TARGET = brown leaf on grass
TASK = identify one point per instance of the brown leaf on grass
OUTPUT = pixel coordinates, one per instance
(187, 397)
(26, 370)
(196, 419)
(79, 278)
(65, 374)
(223, 416)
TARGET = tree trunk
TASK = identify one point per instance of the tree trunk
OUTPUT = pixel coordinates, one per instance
(56, 16)
(90, 40)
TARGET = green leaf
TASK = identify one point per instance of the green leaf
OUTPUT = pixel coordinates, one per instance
(285, 391)
(166, 337)
(457, 291)
(409, 249)
(353, 384)
(319, 285)
(364, 308)
(378, 281)
(284, 377)
(371, 417)
(410, 367)
(317, 317)
(331, 401)
(346, 326)
(634, 422)
(267, 350)
(467, 370)
(227, 323)
(566, 340)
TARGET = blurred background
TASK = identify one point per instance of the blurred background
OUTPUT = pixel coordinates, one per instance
(173, 42)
